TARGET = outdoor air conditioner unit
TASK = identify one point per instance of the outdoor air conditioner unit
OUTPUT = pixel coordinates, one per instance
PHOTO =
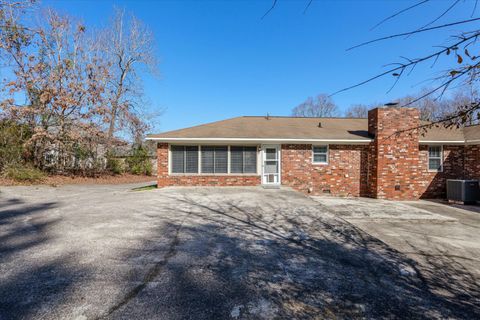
(466, 191)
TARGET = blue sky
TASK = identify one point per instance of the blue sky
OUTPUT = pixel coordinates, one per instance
(218, 59)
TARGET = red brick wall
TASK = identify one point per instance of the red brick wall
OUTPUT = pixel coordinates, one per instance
(459, 162)
(472, 161)
(345, 173)
(164, 179)
(393, 155)
(433, 184)
(357, 170)
(396, 160)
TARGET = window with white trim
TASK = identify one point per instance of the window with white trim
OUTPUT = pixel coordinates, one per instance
(320, 154)
(435, 158)
(213, 159)
(184, 159)
(243, 159)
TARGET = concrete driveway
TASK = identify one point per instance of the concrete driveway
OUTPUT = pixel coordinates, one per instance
(106, 252)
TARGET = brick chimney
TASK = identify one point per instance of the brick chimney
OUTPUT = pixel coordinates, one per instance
(393, 160)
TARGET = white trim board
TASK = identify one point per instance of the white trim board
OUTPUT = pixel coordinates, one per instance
(457, 142)
(260, 140)
(295, 141)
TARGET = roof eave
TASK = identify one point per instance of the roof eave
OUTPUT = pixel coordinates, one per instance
(295, 141)
(259, 140)
(442, 142)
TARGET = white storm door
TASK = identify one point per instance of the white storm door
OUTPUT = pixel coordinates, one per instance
(271, 164)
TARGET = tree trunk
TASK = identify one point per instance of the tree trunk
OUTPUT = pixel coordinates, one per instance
(115, 104)
(111, 128)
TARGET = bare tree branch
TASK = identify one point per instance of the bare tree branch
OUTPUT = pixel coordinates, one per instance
(448, 121)
(129, 48)
(319, 107)
(410, 64)
(398, 13)
(307, 6)
(441, 15)
(474, 8)
(358, 111)
(274, 3)
(412, 32)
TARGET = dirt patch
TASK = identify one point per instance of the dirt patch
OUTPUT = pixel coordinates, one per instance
(56, 180)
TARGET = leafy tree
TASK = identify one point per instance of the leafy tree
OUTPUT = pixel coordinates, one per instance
(77, 87)
(62, 81)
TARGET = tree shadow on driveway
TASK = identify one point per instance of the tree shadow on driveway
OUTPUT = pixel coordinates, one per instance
(229, 259)
(20, 228)
(30, 288)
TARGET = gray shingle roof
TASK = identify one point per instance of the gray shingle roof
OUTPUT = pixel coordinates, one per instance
(297, 128)
(472, 133)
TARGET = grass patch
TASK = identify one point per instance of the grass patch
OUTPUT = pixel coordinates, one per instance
(145, 188)
(24, 174)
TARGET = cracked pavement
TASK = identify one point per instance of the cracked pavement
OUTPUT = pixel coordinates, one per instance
(107, 252)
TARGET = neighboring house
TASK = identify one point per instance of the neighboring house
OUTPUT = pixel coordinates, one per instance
(384, 156)
(91, 154)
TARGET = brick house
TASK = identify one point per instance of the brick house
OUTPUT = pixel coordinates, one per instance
(385, 156)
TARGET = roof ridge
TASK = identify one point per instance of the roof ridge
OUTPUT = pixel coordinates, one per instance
(196, 126)
(293, 117)
(472, 125)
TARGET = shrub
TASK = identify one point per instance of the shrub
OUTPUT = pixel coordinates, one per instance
(139, 162)
(148, 168)
(142, 168)
(24, 173)
(115, 166)
(13, 136)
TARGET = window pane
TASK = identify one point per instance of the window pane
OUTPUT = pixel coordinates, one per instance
(271, 166)
(207, 159)
(272, 178)
(434, 152)
(320, 149)
(319, 158)
(191, 159)
(271, 153)
(221, 159)
(434, 164)
(250, 159)
(236, 159)
(177, 158)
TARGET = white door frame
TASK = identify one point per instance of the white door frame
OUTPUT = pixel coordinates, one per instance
(277, 179)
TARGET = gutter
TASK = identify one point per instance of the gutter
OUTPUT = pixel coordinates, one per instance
(267, 140)
(463, 142)
(441, 142)
(299, 141)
